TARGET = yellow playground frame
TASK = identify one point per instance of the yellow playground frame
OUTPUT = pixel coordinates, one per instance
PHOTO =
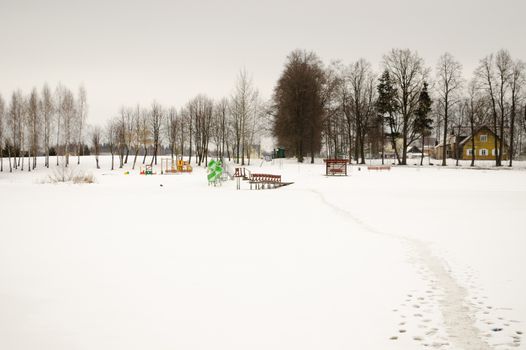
(174, 166)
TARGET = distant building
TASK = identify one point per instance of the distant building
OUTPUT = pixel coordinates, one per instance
(279, 153)
(255, 151)
(414, 152)
(429, 146)
(484, 149)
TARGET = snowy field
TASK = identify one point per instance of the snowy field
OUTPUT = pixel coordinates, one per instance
(411, 258)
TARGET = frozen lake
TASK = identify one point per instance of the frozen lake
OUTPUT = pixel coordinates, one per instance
(400, 259)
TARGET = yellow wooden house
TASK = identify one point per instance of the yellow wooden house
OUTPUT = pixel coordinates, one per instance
(484, 139)
(484, 149)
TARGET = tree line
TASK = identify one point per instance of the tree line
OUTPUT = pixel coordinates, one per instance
(345, 110)
(42, 123)
(53, 123)
(336, 109)
(226, 128)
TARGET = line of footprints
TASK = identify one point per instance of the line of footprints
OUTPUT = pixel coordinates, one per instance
(420, 318)
(500, 330)
(416, 320)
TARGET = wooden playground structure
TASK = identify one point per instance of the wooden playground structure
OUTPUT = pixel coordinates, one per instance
(258, 181)
(336, 167)
(174, 166)
(146, 170)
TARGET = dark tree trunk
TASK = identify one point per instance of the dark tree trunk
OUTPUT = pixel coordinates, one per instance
(444, 138)
(135, 158)
(512, 129)
(457, 155)
(121, 158)
(422, 150)
(311, 149)
(501, 136)
(472, 126)
(349, 140)
(362, 147)
(383, 143)
(404, 144)
(190, 143)
(494, 110)
(154, 155)
(9, 156)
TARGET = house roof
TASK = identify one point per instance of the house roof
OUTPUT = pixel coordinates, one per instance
(483, 127)
(465, 139)
(413, 149)
(448, 141)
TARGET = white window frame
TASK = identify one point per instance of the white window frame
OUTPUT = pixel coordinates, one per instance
(483, 152)
(483, 138)
(469, 151)
(494, 152)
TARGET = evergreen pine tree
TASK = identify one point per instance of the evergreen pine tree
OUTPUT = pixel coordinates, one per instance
(423, 124)
(387, 107)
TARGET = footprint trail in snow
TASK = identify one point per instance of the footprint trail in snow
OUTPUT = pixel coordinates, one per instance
(459, 326)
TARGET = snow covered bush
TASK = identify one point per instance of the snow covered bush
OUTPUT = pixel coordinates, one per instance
(63, 173)
(84, 178)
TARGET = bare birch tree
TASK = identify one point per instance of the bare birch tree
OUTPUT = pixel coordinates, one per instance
(517, 82)
(361, 102)
(2, 122)
(494, 73)
(111, 131)
(472, 103)
(15, 123)
(156, 120)
(96, 136)
(243, 107)
(144, 133)
(221, 120)
(58, 121)
(82, 111)
(66, 110)
(408, 73)
(135, 140)
(172, 126)
(449, 81)
(122, 125)
(47, 110)
(33, 127)
(201, 110)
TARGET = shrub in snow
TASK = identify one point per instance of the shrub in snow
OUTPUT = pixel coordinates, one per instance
(66, 174)
(87, 178)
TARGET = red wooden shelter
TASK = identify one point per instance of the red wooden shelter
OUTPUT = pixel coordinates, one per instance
(336, 166)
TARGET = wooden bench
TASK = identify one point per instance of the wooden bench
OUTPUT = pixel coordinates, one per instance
(260, 180)
(379, 167)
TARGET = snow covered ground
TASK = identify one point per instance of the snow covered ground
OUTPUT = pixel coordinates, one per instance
(410, 258)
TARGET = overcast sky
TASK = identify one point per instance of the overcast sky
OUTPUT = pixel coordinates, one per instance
(128, 52)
